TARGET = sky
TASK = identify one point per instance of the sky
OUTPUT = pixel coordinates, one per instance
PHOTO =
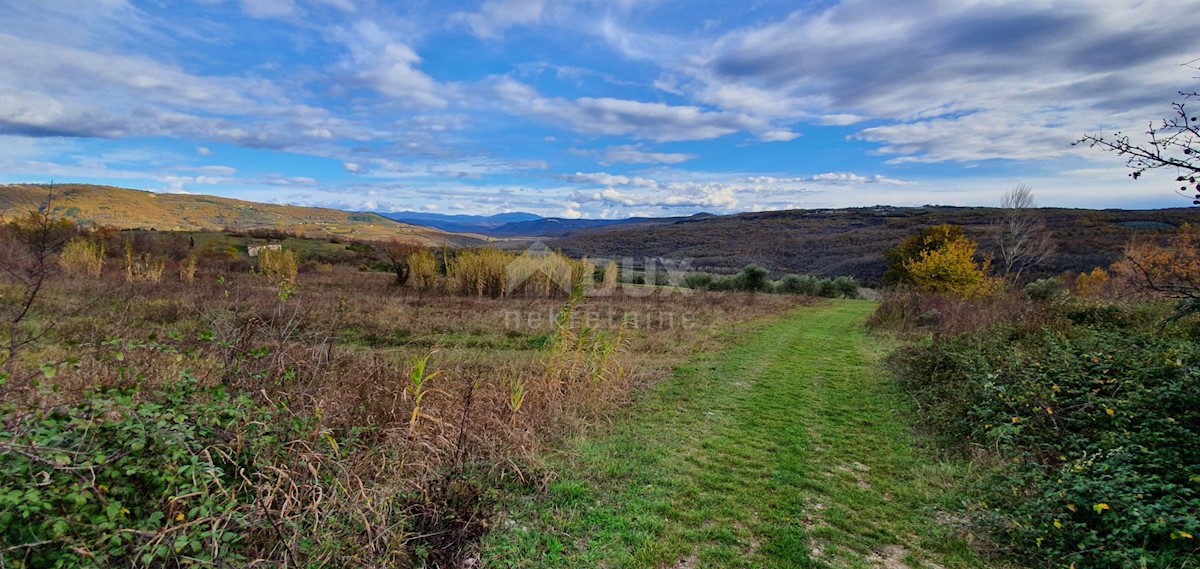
(593, 108)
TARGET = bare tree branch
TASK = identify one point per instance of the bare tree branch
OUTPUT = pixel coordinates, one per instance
(1020, 235)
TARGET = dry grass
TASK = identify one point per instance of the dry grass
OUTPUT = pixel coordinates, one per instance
(501, 378)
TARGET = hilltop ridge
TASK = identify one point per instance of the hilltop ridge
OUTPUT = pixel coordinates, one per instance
(97, 205)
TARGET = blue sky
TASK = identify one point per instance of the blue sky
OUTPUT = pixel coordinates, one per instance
(594, 108)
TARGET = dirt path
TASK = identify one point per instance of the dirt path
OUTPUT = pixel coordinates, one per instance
(789, 450)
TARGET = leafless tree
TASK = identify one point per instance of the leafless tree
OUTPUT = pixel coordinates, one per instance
(1021, 235)
(28, 245)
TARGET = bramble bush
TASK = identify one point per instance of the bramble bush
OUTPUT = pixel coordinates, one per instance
(192, 476)
(1093, 417)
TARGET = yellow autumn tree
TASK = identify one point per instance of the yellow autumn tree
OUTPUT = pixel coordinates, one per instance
(951, 269)
(1093, 284)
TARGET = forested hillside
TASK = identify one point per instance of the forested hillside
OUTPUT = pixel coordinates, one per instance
(852, 241)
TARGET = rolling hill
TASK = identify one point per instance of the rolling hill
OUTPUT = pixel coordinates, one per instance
(136, 209)
(853, 241)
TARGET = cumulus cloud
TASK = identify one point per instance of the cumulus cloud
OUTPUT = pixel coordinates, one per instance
(389, 66)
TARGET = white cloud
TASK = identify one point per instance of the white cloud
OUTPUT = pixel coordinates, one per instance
(703, 196)
(948, 80)
(495, 16)
(634, 154)
(203, 151)
(608, 116)
(388, 66)
(778, 136)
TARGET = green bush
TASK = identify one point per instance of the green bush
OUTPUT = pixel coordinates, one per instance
(754, 278)
(797, 284)
(1096, 428)
(123, 478)
(1046, 289)
(698, 281)
(826, 289)
(724, 283)
(846, 286)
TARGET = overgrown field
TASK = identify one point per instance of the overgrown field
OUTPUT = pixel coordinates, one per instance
(1082, 413)
(229, 417)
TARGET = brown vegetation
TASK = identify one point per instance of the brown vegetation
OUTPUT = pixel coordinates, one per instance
(853, 241)
(425, 398)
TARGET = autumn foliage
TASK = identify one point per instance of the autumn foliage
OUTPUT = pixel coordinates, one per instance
(941, 260)
(1170, 268)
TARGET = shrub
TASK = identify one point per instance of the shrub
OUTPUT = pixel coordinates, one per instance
(1170, 269)
(846, 286)
(542, 275)
(929, 239)
(698, 281)
(1091, 285)
(423, 269)
(795, 284)
(1094, 429)
(278, 265)
(826, 289)
(723, 283)
(398, 253)
(582, 270)
(754, 278)
(82, 257)
(480, 272)
(174, 479)
(142, 268)
(187, 269)
(951, 269)
(1046, 290)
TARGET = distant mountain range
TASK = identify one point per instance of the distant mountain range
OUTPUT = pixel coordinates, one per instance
(520, 224)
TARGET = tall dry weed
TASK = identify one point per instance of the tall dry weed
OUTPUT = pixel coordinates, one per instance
(82, 256)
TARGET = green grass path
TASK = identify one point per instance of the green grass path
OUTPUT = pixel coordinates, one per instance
(791, 449)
